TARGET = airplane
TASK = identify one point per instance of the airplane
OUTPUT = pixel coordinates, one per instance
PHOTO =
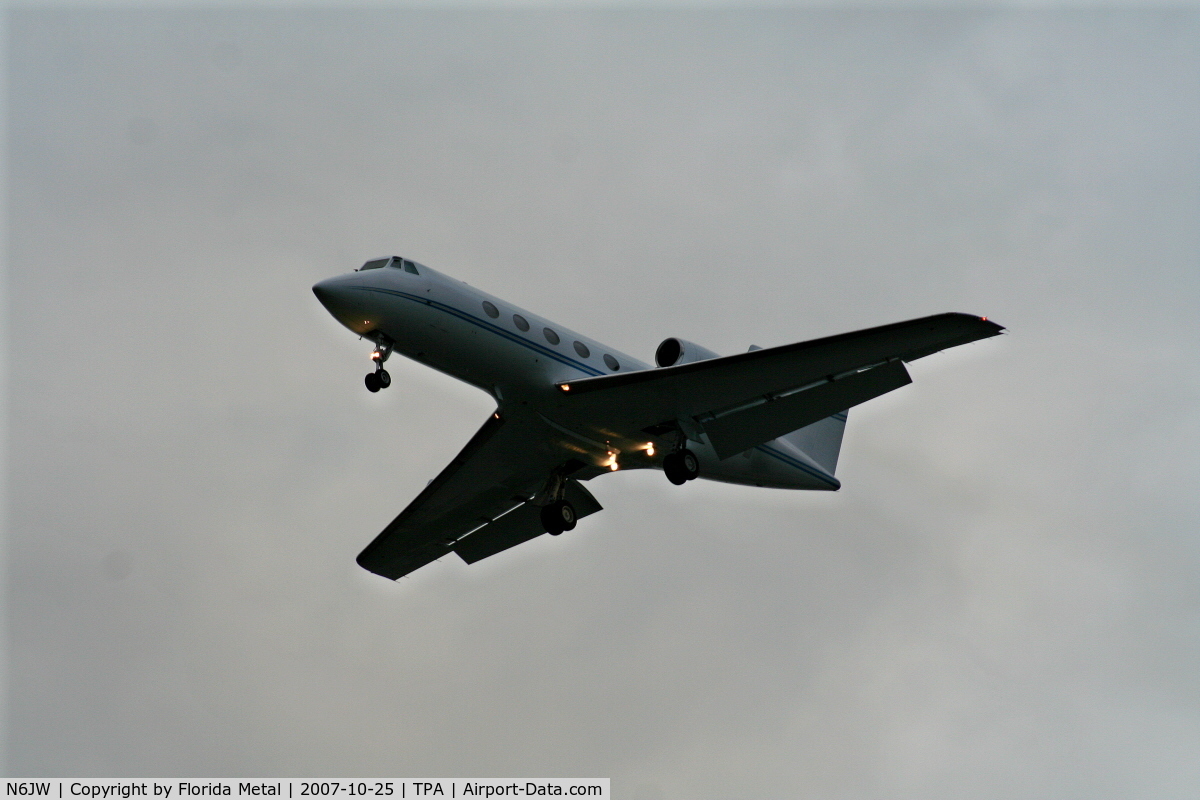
(569, 408)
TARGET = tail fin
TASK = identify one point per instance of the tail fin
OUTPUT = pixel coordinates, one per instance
(821, 441)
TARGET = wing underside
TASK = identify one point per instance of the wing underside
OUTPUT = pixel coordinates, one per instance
(484, 492)
(751, 398)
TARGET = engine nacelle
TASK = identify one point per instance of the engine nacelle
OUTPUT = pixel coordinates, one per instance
(673, 352)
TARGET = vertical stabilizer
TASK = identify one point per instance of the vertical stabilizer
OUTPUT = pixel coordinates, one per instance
(821, 441)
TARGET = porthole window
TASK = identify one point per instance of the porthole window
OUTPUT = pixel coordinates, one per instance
(551, 336)
(520, 322)
(612, 363)
(491, 310)
(581, 348)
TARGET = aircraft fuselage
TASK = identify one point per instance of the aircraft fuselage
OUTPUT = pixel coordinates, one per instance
(521, 359)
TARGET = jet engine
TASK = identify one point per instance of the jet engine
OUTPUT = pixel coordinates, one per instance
(673, 352)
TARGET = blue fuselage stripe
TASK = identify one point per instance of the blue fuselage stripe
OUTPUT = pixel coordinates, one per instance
(800, 465)
(488, 326)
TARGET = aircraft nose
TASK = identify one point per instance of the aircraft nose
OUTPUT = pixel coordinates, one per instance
(345, 304)
(324, 290)
(335, 295)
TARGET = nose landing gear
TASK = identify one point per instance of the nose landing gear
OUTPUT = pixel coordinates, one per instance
(379, 379)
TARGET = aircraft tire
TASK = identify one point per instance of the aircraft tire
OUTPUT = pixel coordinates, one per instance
(690, 464)
(557, 517)
(385, 380)
(372, 382)
(550, 520)
(672, 465)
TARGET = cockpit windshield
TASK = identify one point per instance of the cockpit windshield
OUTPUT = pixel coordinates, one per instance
(395, 261)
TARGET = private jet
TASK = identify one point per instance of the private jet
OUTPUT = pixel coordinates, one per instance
(569, 408)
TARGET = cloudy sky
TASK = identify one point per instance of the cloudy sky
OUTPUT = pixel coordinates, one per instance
(1002, 601)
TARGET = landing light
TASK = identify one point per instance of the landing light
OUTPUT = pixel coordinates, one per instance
(565, 387)
(612, 460)
(650, 449)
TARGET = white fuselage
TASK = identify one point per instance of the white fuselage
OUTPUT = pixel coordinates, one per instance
(450, 326)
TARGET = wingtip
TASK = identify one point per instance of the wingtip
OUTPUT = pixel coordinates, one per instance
(990, 325)
(373, 566)
(995, 326)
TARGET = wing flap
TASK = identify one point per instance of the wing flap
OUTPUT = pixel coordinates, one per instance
(499, 469)
(649, 397)
(520, 525)
(739, 430)
(517, 526)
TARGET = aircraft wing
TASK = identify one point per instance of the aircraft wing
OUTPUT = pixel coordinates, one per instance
(506, 463)
(750, 398)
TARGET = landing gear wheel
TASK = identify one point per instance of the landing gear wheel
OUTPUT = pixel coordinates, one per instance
(672, 465)
(385, 380)
(557, 517)
(691, 464)
(681, 467)
(372, 382)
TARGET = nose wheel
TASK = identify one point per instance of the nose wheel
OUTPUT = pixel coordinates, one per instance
(681, 466)
(379, 379)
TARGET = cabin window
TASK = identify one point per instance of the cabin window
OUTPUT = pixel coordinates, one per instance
(551, 336)
(520, 322)
(490, 309)
(376, 264)
(582, 349)
(612, 363)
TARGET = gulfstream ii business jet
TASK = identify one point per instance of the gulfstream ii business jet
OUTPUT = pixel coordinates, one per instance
(569, 408)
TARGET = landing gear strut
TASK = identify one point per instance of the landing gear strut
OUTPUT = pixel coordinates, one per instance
(681, 466)
(379, 379)
(558, 515)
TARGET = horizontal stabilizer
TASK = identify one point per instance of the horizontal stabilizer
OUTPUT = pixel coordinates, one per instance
(740, 429)
(520, 525)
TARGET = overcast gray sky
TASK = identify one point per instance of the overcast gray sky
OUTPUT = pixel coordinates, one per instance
(1002, 601)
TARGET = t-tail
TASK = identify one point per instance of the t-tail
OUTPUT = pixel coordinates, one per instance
(821, 441)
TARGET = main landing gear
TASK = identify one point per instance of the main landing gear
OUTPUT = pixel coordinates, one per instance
(379, 379)
(681, 466)
(557, 517)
